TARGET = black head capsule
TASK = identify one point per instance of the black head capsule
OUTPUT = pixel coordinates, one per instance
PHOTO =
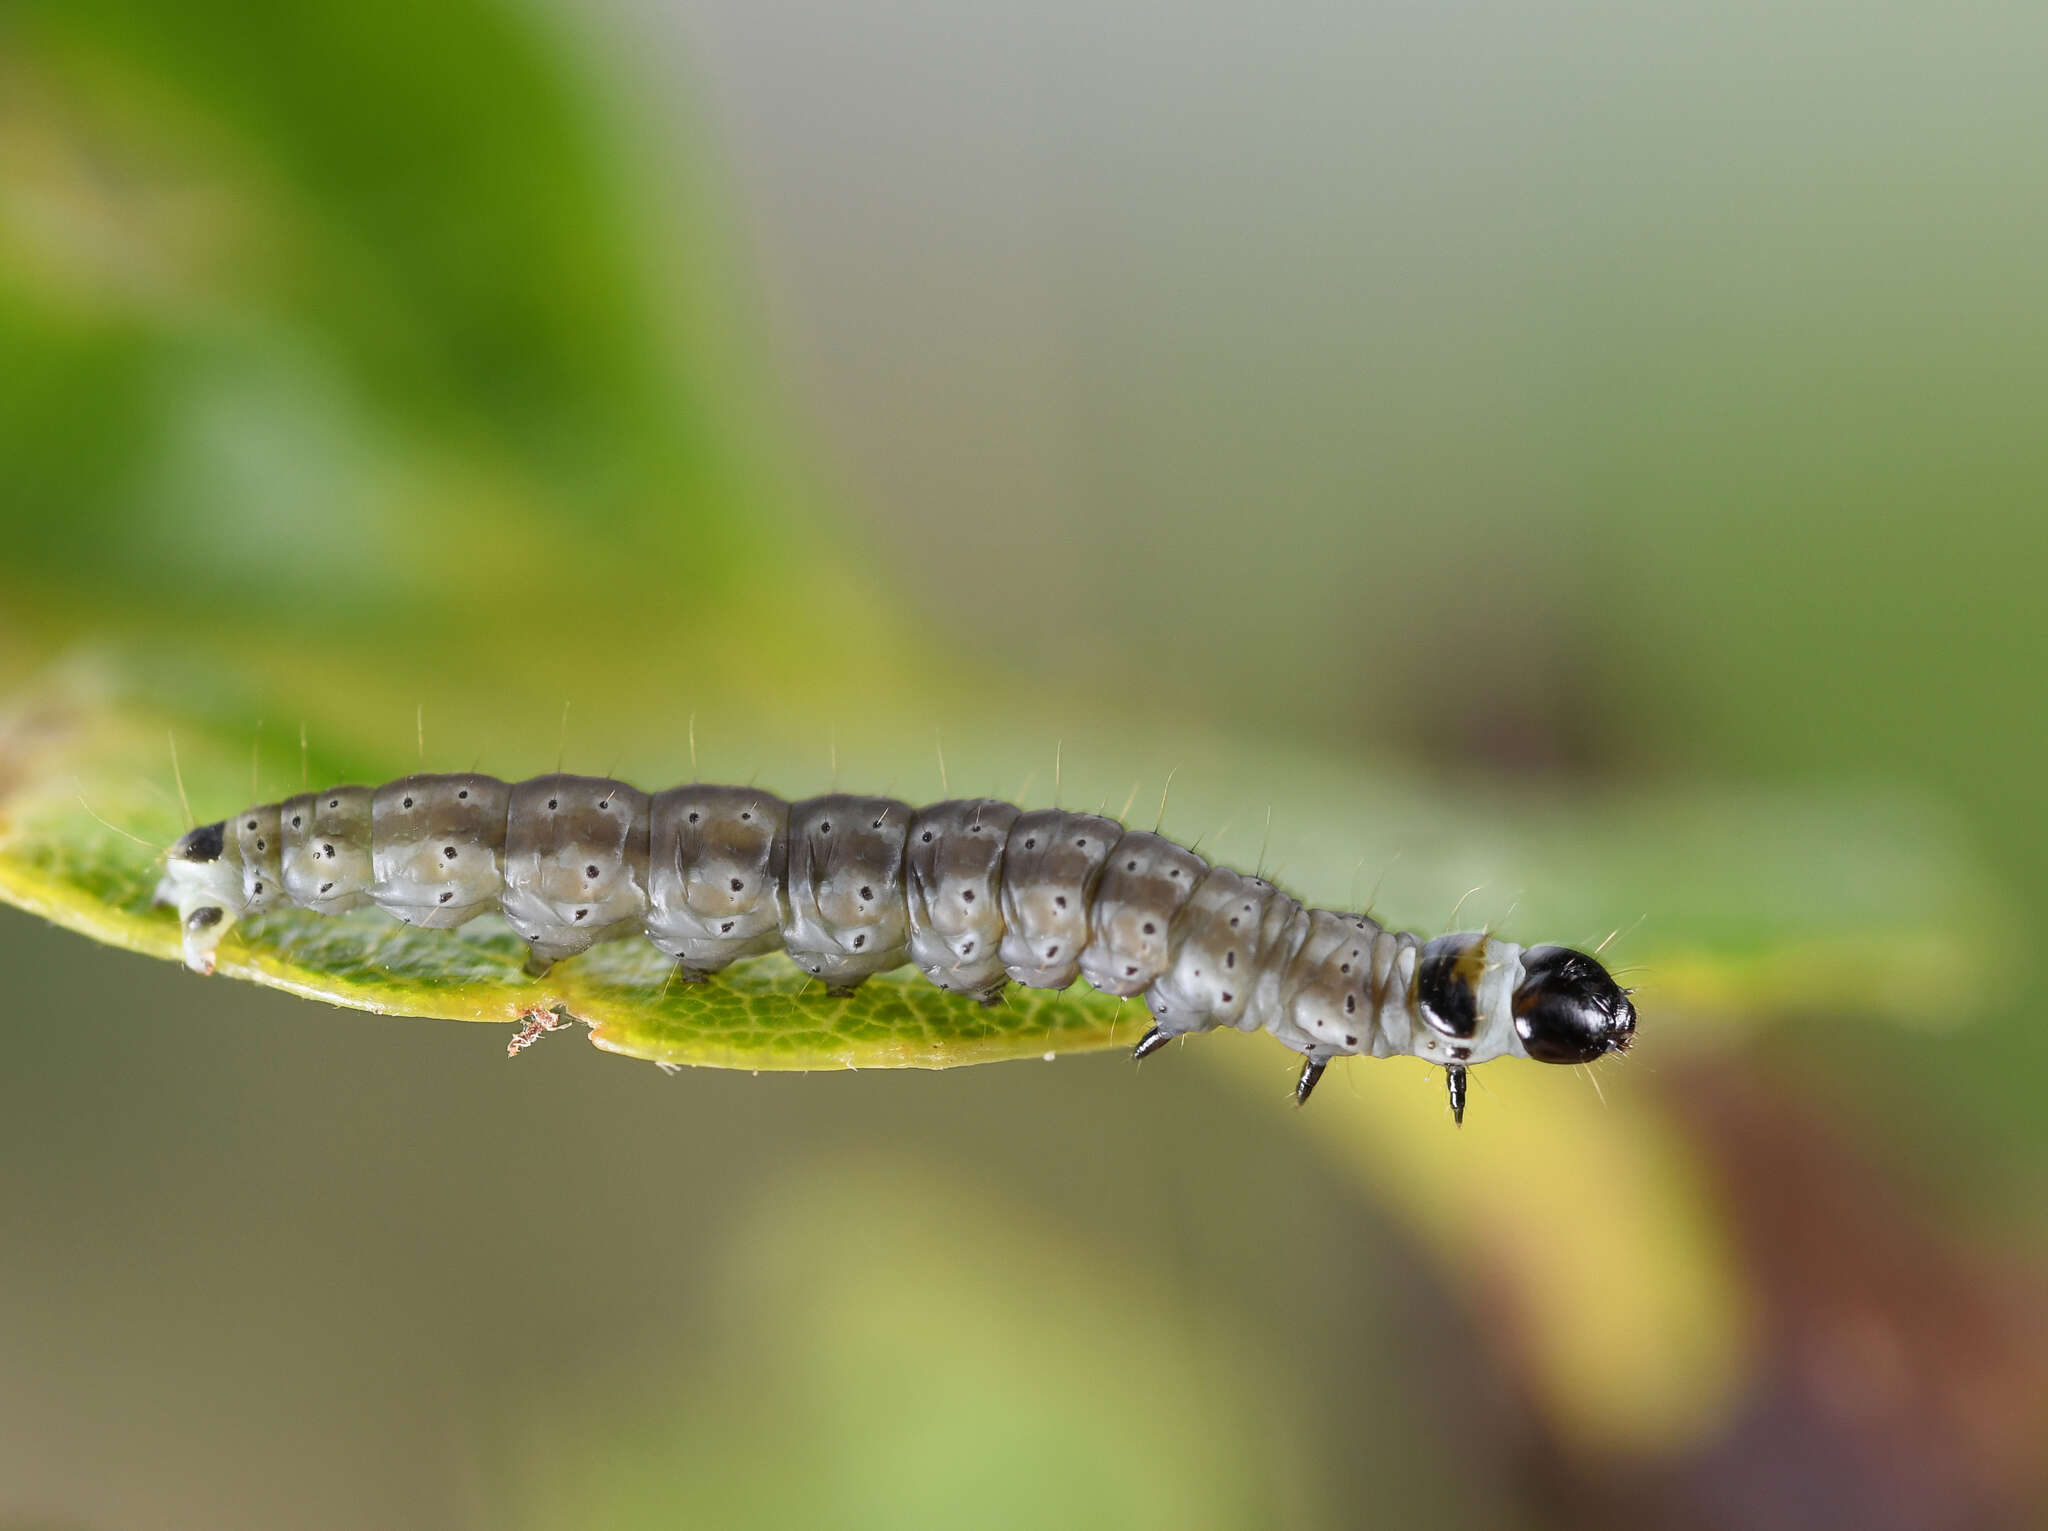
(1568, 1010)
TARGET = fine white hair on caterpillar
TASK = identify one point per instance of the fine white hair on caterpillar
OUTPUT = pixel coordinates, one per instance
(975, 893)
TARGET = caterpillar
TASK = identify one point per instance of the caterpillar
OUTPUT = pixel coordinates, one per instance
(974, 892)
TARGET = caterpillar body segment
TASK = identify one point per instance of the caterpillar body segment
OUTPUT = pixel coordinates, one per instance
(1145, 884)
(846, 919)
(326, 837)
(974, 892)
(717, 860)
(437, 848)
(576, 851)
(1230, 928)
(1052, 865)
(256, 836)
(953, 886)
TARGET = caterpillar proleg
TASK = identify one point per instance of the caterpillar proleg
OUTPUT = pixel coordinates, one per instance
(974, 892)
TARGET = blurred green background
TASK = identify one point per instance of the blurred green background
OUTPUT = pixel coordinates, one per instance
(1581, 406)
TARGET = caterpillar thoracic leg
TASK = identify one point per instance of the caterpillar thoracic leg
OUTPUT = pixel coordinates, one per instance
(1305, 1086)
(1149, 1044)
(973, 892)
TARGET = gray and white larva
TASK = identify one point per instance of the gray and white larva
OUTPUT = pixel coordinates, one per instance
(973, 892)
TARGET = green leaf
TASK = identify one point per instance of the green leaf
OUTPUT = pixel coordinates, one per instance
(77, 846)
(1784, 906)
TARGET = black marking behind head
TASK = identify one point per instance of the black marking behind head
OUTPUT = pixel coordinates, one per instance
(1447, 983)
(1567, 1010)
(202, 844)
(204, 919)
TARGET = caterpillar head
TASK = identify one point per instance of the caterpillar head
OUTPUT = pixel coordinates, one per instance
(1568, 1010)
(203, 880)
